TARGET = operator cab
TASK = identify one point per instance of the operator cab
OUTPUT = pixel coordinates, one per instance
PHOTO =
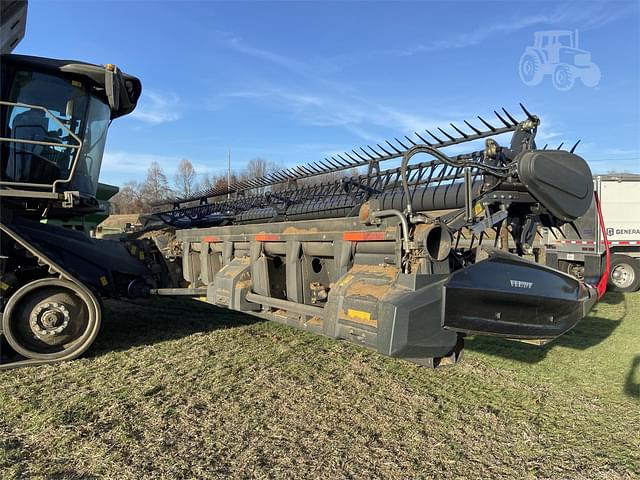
(54, 116)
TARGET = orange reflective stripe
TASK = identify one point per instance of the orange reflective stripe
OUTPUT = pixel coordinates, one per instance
(363, 236)
(265, 237)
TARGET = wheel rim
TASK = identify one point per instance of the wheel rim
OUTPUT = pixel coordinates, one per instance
(623, 275)
(51, 319)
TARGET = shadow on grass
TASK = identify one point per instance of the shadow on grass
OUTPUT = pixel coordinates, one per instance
(632, 383)
(589, 332)
(145, 322)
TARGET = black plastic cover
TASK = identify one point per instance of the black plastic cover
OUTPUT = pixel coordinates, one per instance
(561, 181)
(508, 296)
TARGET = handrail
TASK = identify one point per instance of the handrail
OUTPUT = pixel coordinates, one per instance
(77, 147)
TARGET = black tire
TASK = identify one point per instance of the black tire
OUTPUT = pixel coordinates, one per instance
(624, 275)
(51, 319)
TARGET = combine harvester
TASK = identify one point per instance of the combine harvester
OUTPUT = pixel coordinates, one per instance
(395, 259)
(54, 116)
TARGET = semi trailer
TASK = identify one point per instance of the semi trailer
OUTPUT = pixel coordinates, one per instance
(581, 251)
(406, 254)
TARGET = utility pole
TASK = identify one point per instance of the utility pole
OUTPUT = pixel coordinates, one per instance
(229, 176)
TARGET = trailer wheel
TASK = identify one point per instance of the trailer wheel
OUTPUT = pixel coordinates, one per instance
(625, 274)
(51, 319)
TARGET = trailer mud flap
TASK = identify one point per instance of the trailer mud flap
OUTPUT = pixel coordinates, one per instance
(508, 296)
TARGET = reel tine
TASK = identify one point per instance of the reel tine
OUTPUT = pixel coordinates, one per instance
(367, 153)
(353, 160)
(436, 138)
(411, 141)
(393, 146)
(338, 163)
(526, 112)
(374, 151)
(383, 149)
(453, 139)
(506, 124)
(487, 124)
(402, 144)
(320, 166)
(573, 149)
(560, 146)
(478, 132)
(359, 156)
(349, 162)
(422, 139)
(464, 135)
(545, 146)
(515, 122)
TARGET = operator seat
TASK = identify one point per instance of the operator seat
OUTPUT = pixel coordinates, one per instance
(26, 161)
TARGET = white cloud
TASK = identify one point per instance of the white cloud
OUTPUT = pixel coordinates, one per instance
(585, 17)
(157, 107)
(334, 109)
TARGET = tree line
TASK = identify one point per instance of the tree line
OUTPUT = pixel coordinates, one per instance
(140, 197)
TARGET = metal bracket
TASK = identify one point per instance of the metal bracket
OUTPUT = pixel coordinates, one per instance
(70, 198)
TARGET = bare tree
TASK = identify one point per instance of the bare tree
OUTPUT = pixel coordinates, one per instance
(185, 178)
(128, 199)
(155, 187)
(258, 167)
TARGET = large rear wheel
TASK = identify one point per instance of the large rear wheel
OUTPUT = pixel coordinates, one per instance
(51, 319)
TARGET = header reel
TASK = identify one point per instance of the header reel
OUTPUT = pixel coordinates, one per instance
(518, 186)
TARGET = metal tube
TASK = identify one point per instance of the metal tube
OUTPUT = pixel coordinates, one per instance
(468, 198)
(189, 292)
(294, 307)
(403, 222)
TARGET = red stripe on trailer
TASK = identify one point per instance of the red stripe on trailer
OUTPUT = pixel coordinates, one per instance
(363, 236)
(578, 242)
(622, 242)
(211, 239)
(266, 237)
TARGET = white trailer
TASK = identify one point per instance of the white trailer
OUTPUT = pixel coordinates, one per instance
(581, 252)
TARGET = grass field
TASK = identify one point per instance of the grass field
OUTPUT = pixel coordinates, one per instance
(178, 389)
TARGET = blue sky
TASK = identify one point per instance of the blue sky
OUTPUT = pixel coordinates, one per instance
(294, 82)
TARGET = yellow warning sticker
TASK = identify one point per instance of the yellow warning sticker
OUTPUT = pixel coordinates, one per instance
(141, 256)
(359, 314)
(4, 286)
(134, 249)
(478, 209)
(103, 281)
